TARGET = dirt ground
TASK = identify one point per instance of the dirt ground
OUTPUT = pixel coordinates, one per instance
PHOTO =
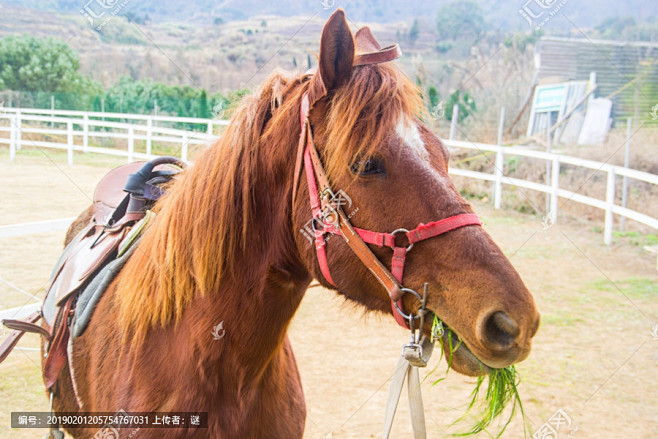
(594, 357)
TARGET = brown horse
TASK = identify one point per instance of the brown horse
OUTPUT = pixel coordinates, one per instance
(226, 246)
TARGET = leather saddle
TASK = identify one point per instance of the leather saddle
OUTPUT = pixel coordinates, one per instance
(120, 212)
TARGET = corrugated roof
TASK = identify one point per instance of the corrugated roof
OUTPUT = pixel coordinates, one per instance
(626, 71)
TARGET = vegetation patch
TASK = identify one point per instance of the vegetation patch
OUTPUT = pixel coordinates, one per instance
(501, 390)
(633, 286)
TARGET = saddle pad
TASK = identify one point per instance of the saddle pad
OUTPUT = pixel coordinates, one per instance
(93, 292)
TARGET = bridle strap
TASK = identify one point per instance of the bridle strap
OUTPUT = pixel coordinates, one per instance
(351, 237)
(321, 197)
(388, 53)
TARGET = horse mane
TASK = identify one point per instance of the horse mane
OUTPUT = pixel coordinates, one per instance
(204, 220)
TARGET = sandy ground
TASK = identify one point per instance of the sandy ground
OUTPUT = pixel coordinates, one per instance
(594, 356)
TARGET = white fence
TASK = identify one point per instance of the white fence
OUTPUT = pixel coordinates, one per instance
(72, 131)
(553, 189)
(75, 128)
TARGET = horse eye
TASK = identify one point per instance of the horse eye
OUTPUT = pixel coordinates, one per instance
(369, 166)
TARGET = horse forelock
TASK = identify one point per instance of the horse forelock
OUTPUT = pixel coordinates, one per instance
(365, 112)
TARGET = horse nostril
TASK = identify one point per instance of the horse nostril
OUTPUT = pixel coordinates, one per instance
(500, 330)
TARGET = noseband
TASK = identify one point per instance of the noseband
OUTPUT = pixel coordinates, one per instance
(329, 218)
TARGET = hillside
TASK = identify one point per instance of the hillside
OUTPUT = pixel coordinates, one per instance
(219, 49)
(502, 15)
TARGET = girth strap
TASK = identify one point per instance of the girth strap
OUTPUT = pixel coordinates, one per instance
(56, 359)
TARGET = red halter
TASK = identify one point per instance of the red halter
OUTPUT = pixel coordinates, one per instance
(333, 220)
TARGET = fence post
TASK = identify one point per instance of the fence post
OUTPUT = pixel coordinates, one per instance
(69, 141)
(12, 137)
(627, 152)
(609, 203)
(549, 147)
(131, 144)
(149, 135)
(19, 131)
(85, 133)
(52, 110)
(498, 174)
(183, 154)
(454, 121)
(210, 129)
(555, 188)
(499, 163)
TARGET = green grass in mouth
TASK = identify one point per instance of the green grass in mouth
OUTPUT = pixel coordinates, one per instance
(502, 388)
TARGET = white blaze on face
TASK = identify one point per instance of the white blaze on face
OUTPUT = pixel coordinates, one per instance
(408, 132)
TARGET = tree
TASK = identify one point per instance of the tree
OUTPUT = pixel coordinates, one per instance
(204, 109)
(47, 65)
(414, 31)
(614, 27)
(461, 19)
(433, 96)
(464, 102)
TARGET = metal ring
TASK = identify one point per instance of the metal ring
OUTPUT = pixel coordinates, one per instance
(407, 316)
(411, 244)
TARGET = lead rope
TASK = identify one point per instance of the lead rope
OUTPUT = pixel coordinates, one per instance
(415, 354)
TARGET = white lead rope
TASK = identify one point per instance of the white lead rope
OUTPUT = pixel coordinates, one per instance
(414, 355)
(403, 370)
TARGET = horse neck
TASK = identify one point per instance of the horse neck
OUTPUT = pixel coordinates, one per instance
(259, 298)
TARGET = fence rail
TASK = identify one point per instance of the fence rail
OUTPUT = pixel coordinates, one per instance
(75, 128)
(553, 188)
(72, 131)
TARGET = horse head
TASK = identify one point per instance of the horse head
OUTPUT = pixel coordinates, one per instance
(389, 172)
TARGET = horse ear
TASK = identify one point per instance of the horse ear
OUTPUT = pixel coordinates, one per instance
(365, 41)
(336, 51)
